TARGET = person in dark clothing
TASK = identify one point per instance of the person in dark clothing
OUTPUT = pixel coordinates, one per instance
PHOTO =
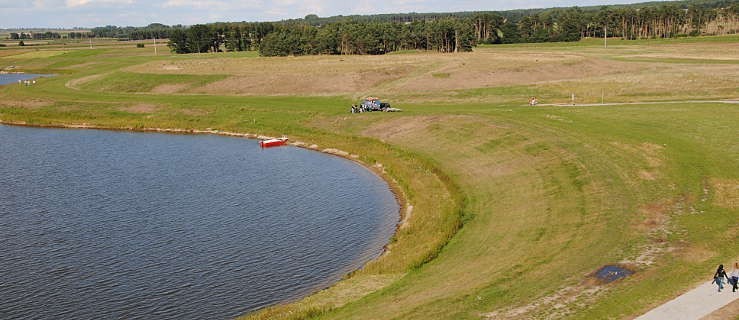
(719, 276)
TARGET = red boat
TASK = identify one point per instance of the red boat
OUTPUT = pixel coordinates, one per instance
(273, 142)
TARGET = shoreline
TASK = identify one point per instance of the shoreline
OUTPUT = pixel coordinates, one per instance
(404, 207)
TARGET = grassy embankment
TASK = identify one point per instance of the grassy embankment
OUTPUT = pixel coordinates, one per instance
(546, 195)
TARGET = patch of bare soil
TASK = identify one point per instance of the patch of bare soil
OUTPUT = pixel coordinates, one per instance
(140, 108)
(712, 51)
(655, 216)
(498, 69)
(655, 223)
(725, 193)
(324, 75)
(170, 67)
(169, 88)
(314, 83)
(647, 175)
(730, 311)
(25, 104)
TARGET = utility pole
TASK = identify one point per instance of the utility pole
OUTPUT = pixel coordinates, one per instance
(605, 36)
(155, 46)
(90, 42)
(602, 96)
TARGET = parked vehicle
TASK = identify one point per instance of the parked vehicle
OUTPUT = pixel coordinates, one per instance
(370, 104)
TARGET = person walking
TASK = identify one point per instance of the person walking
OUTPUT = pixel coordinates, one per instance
(719, 276)
(735, 277)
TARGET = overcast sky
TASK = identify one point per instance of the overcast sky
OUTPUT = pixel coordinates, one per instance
(86, 13)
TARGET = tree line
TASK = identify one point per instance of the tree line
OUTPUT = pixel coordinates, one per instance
(152, 31)
(460, 32)
(48, 35)
(443, 32)
(35, 35)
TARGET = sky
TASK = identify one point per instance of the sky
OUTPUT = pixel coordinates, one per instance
(91, 13)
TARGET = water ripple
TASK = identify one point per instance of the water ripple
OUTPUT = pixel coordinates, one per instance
(97, 224)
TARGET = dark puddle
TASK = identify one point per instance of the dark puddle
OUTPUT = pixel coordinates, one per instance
(612, 272)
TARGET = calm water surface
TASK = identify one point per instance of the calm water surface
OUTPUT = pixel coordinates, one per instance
(11, 78)
(117, 225)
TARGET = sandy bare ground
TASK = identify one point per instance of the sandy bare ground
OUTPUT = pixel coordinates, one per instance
(694, 304)
(170, 88)
(140, 108)
(423, 72)
(730, 311)
(713, 51)
(432, 77)
(635, 103)
(26, 104)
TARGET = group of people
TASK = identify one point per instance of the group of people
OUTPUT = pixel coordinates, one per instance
(26, 82)
(732, 278)
(359, 108)
(533, 101)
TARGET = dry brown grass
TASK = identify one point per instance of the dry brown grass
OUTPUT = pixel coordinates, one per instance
(193, 112)
(169, 88)
(76, 83)
(488, 68)
(712, 51)
(726, 193)
(81, 66)
(140, 108)
(650, 154)
(591, 74)
(318, 75)
(730, 311)
(7, 53)
(315, 75)
(25, 104)
(696, 254)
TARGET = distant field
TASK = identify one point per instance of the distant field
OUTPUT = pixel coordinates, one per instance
(510, 208)
(623, 72)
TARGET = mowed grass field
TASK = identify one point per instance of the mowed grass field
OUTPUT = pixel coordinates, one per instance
(509, 208)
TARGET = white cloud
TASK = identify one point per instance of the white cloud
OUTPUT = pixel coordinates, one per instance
(89, 13)
(80, 3)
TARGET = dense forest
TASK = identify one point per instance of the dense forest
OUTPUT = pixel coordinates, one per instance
(461, 31)
(443, 32)
(152, 31)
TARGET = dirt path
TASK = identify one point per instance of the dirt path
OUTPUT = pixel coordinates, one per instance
(694, 304)
(633, 103)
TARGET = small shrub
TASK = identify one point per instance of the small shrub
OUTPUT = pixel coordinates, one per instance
(21, 43)
(139, 45)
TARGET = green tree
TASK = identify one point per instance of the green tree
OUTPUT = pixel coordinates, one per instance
(199, 38)
(178, 42)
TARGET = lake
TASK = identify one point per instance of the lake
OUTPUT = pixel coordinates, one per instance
(10, 78)
(111, 225)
